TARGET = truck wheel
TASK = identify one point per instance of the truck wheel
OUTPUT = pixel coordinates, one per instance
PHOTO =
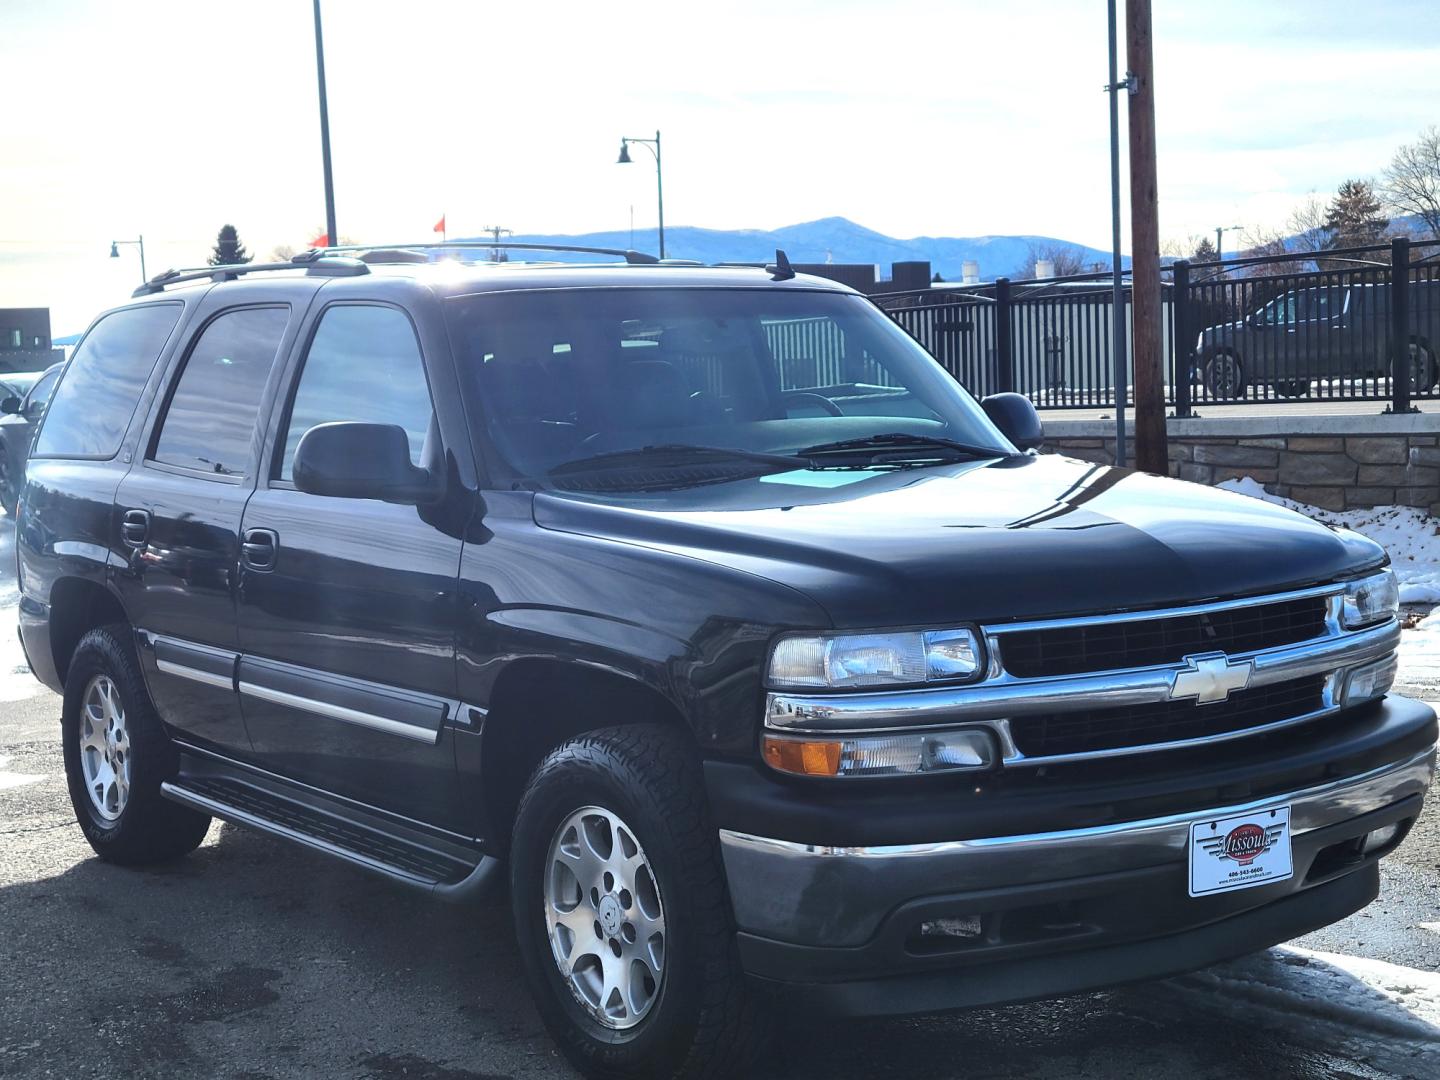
(1225, 376)
(1293, 388)
(117, 754)
(9, 493)
(620, 906)
(1423, 370)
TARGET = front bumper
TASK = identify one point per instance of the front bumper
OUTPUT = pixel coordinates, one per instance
(1048, 912)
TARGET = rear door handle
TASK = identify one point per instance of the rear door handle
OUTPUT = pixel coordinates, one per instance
(135, 527)
(258, 549)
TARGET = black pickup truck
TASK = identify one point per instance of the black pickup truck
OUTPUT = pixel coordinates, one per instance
(773, 668)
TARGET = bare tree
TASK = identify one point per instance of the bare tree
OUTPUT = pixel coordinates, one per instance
(1307, 223)
(1066, 258)
(282, 253)
(1412, 180)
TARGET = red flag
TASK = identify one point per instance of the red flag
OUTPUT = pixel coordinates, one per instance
(323, 240)
(439, 225)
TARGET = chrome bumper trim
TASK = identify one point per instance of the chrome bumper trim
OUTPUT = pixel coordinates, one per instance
(846, 891)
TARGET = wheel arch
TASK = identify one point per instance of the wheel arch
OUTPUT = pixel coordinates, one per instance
(77, 606)
(538, 703)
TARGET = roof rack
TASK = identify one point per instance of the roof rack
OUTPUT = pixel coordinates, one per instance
(635, 258)
(317, 265)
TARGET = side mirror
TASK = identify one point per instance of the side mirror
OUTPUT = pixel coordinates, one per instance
(351, 460)
(10, 405)
(1016, 418)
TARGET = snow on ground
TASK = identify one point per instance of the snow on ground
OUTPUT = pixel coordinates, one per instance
(1384, 1017)
(1410, 535)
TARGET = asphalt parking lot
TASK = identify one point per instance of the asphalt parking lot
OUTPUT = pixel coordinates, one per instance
(252, 959)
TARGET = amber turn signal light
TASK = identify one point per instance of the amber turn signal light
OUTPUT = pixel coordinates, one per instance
(804, 756)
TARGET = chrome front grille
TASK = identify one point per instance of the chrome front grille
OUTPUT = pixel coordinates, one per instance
(1091, 731)
(1145, 642)
(1084, 687)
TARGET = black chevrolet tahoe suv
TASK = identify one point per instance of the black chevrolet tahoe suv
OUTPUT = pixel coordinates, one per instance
(769, 666)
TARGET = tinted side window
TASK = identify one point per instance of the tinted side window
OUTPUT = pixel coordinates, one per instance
(39, 395)
(92, 406)
(211, 417)
(364, 364)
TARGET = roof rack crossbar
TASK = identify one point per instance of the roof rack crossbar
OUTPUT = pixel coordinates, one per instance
(632, 257)
(318, 266)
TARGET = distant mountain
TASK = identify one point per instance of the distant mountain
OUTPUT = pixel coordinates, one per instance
(833, 239)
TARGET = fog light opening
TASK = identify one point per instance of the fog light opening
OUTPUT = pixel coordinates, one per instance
(958, 928)
(1379, 839)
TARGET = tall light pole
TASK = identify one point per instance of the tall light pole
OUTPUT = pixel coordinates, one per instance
(331, 235)
(1220, 231)
(140, 242)
(653, 145)
(1117, 285)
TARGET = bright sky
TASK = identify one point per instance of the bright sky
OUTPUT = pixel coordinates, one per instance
(962, 118)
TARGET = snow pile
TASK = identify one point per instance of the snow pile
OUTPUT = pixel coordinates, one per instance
(1410, 535)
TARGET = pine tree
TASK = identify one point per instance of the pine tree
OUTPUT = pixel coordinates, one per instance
(1353, 218)
(1204, 250)
(229, 251)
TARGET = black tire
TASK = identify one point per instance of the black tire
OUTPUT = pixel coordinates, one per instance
(148, 827)
(9, 493)
(1424, 371)
(1293, 388)
(704, 1021)
(1224, 376)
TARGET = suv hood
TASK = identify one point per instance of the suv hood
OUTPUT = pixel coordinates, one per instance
(1031, 537)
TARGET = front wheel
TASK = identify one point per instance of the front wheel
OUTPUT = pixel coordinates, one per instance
(117, 755)
(1423, 369)
(1224, 376)
(622, 914)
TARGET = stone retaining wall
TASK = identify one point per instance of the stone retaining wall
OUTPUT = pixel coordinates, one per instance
(1335, 462)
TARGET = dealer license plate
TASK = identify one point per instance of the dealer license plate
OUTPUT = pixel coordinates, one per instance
(1240, 852)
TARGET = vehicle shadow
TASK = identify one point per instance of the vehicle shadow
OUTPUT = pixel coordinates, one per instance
(252, 958)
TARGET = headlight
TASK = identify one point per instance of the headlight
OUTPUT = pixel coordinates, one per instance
(901, 754)
(1370, 600)
(841, 661)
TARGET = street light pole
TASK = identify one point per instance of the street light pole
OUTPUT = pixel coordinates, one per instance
(1220, 231)
(140, 242)
(653, 145)
(331, 235)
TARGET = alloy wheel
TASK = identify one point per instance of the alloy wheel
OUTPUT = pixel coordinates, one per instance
(604, 917)
(1224, 376)
(105, 748)
(1423, 372)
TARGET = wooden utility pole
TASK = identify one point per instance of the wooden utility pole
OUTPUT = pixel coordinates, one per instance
(1150, 451)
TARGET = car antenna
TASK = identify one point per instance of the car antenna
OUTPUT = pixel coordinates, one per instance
(780, 270)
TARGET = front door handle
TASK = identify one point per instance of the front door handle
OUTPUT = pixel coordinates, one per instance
(135, 527)
(258, 549)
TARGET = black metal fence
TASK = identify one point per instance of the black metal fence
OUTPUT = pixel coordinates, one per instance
(1360, 324)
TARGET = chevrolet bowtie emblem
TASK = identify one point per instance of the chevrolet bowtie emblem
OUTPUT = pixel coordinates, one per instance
(1210, 677)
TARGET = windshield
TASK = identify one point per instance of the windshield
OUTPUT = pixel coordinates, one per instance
(576, 383)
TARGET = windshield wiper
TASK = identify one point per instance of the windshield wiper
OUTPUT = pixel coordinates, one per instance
(900, 441)
(678, 453)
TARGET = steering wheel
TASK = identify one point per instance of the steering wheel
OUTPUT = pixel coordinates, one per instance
(819, 400)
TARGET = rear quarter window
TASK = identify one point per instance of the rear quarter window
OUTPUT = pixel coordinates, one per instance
(91, 408)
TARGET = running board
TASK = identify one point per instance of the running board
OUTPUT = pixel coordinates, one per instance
(410, 855)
